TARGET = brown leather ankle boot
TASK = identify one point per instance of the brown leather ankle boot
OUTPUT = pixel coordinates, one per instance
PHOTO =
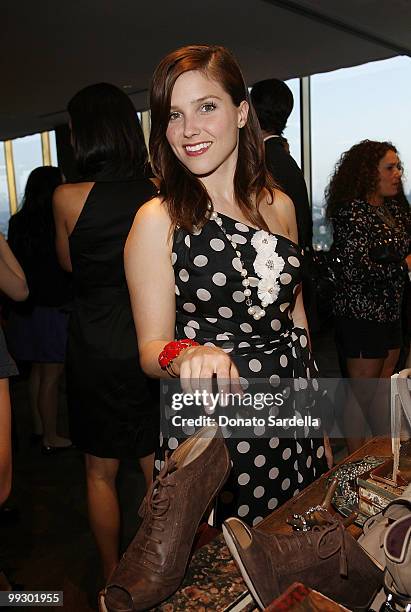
(154, 564)
(327, 559)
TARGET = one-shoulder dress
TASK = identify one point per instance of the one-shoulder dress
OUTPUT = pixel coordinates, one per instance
(211, 308)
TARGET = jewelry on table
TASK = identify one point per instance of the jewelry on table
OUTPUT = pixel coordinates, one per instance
(346, 499)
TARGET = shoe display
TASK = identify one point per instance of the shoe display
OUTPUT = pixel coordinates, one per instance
(155, 563)
(327, 559)
(397, 549)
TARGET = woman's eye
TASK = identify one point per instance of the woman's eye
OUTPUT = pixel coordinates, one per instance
(208, 107)
(173, 116)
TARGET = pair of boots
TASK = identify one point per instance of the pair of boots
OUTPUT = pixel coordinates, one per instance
(155, 563)
(327, 559)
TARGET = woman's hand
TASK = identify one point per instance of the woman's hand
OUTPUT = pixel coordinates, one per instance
(408, 262)
(198, 364)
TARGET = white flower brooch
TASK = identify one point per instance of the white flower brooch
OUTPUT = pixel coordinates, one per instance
(268, 266)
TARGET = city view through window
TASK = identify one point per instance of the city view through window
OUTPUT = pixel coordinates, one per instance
(369, 101)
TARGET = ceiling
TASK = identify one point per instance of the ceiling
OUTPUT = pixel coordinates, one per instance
(51, 49)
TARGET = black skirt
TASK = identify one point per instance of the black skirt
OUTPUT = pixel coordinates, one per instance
(367, 339)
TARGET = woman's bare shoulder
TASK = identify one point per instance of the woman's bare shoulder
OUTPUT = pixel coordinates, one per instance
(69, 191)
(154, 211)
(69, 199)
(277, 205)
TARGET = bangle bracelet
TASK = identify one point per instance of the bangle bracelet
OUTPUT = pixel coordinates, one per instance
(171, 351)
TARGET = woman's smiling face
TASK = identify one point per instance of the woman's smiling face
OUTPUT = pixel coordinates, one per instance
(203, 124)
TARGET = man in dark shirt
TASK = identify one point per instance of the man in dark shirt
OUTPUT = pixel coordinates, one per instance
(273, 102)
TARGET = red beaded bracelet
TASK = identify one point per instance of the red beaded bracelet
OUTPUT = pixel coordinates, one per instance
(172, 350)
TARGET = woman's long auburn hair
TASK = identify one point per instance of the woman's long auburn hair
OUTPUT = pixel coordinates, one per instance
(185, 195)
(355, 175)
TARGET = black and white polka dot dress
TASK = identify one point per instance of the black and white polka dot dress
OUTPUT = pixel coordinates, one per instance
(210, 302)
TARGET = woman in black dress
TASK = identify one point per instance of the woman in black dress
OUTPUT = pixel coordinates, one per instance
(37, 330)
(372, 246)
(112, 413)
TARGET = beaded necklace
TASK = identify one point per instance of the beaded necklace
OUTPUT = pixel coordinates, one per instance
(254, 310)
(385, 215)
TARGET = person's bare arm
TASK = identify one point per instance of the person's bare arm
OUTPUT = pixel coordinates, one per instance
(12, 279)
(5, 440)
(61, 198)
(68, 202)
(150, 279)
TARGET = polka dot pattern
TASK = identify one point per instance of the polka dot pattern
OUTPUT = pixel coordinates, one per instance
(259, 492)
(184, 275)
(203, 295)
(238, 239)
(246, 327)
(189, 307)
(219, 279)
(200, 261)
(217, 244)
(211, 308)
(255, 365)
(243, 479)
(243, 447)
(238, 296)
(260, 460)
(272, 503)
(225, 312)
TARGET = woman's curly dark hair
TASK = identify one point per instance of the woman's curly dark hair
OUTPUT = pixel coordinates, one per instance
(355, 174)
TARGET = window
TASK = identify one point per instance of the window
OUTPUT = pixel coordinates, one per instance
(27, 154)
(4, 194)
(348, 105)
(53, 148)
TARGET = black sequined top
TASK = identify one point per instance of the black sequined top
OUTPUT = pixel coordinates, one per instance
(369, 252)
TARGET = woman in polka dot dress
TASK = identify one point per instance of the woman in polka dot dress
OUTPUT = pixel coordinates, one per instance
(222, 267)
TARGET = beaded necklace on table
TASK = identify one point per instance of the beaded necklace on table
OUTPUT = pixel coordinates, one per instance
(257, 312)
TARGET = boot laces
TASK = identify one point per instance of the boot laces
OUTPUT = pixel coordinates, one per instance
(303, 537)
(157, 504)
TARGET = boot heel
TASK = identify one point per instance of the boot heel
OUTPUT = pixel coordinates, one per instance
(101, 603)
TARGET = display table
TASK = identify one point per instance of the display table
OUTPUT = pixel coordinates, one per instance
(213, 583)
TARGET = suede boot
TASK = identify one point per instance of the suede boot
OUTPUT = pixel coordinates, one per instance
(326, 559)
(154, 564)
